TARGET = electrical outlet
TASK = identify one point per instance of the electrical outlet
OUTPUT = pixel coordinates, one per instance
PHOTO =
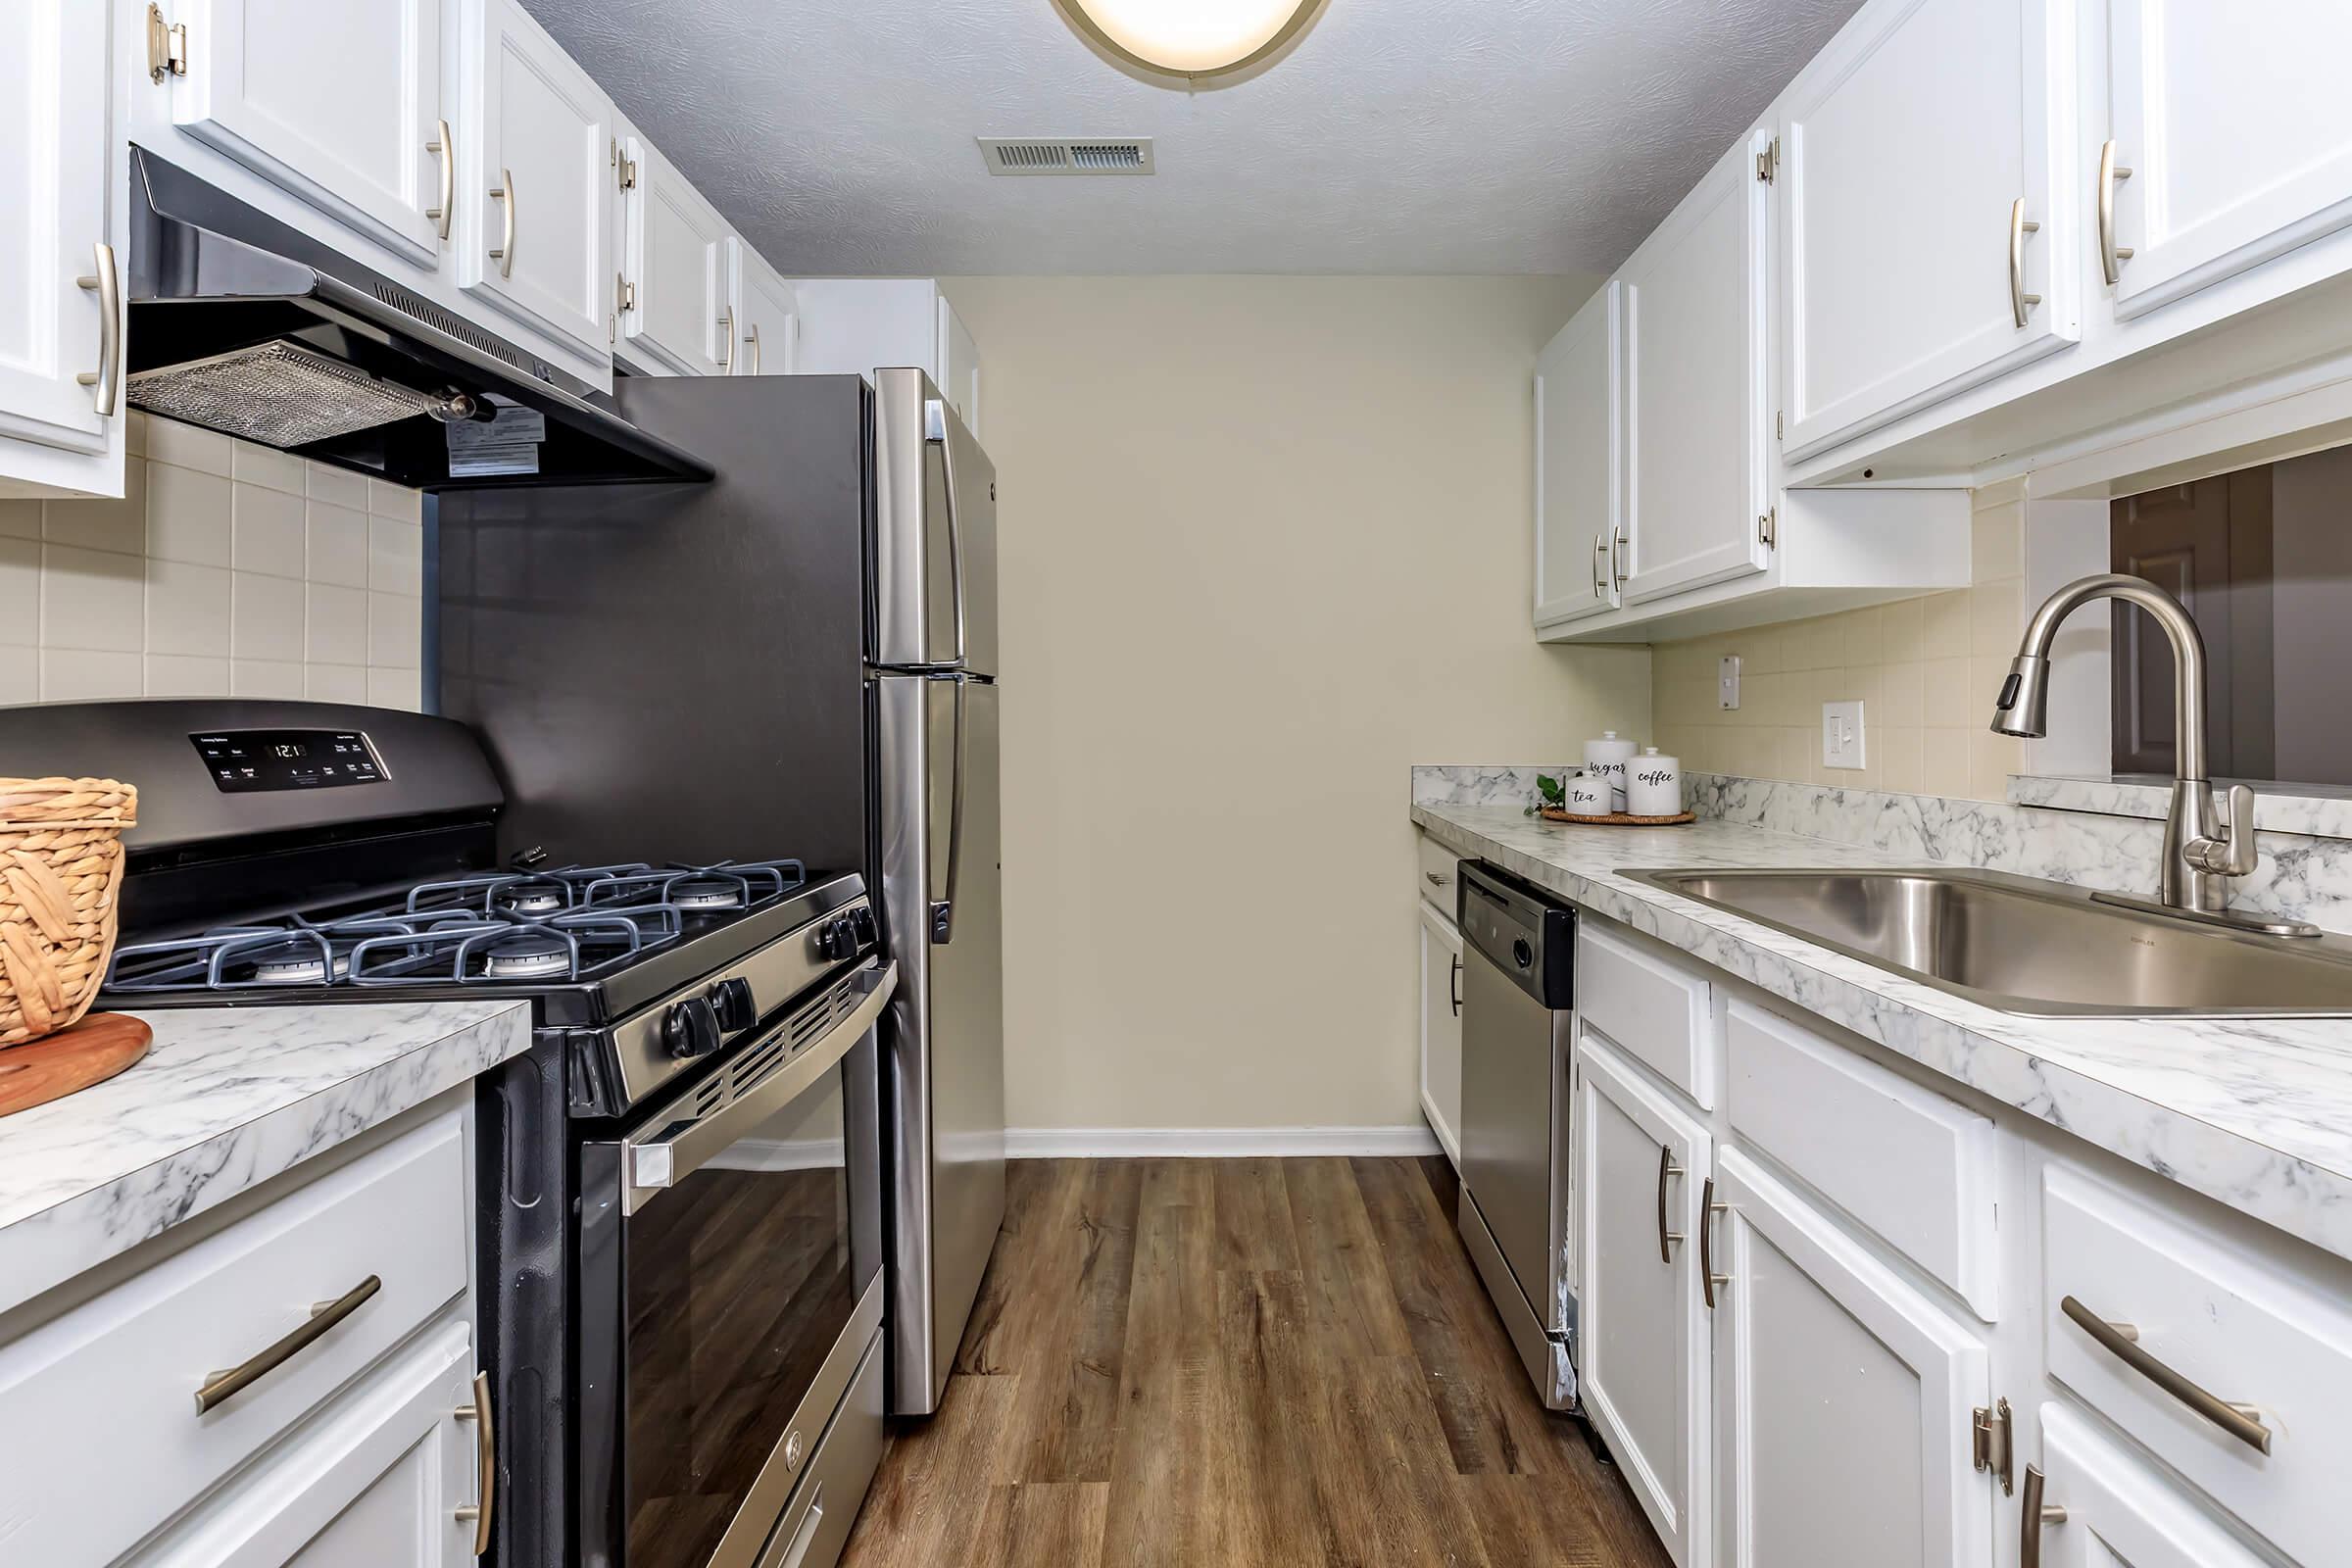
(1726, 683)
(1842, 735)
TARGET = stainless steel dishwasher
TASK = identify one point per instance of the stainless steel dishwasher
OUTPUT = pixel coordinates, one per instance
(1518, 982)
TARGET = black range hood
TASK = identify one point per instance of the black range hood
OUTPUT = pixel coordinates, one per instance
(242, 325)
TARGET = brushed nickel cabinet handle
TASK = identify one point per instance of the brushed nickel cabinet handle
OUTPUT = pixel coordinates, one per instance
(2034, 1515)
(107, 379)
(1617, 571)
(1434, 880)
(726, 321)
(1455, 985)
(1666, 1237)
(2112, 257)
(445, 145)
(504, 252)
(2121, 1340)
(750, 341)
(223, 1387)
(1600, 543)
(2021, 303)
(485, 1450)
(1709, 1282)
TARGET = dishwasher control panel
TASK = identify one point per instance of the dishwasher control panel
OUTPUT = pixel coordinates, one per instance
(1526, 933)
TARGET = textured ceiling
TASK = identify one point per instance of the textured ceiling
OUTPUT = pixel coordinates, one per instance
(1394, 137)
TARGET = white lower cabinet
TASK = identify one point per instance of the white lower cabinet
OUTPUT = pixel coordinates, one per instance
(1845, 1395)
(1642, 1163)
(1442, 1029)
(2099, 1507)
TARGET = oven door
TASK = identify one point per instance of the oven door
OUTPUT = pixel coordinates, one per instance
(730, 1283)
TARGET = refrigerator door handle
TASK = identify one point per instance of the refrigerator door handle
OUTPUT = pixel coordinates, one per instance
(942, 914)
(935, 430)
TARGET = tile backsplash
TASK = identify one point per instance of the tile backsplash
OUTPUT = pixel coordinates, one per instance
(1925, 670)
(227, 569)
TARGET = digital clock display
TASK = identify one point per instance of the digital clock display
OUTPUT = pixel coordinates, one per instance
(248, 760)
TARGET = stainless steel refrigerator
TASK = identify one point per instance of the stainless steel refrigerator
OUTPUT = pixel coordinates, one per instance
(798, 658)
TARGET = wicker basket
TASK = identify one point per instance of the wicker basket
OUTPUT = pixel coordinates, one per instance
(60, 867)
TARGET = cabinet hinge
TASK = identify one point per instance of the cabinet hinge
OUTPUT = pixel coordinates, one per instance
(628, 173)
(1768, 528)
(624, 294)
(1768, 162)
(166, 46)
(1990, 1433)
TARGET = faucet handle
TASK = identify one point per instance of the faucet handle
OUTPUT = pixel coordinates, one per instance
(2235, 854)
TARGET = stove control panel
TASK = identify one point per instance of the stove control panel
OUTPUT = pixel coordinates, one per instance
(244, 760)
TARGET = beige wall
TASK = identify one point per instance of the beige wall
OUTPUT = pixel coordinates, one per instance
(1266, 544)
(1925, 669)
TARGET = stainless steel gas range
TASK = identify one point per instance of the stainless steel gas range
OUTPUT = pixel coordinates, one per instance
(680, 1225)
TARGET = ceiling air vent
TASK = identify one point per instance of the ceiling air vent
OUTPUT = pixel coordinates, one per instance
(1033, 156)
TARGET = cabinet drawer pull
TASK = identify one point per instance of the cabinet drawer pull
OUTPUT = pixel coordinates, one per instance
(2021, 303)
(443, 144)
(223, 1387)
(1666, 1237)
(1709, 1282)
(1455, 985)
(107, 283)
(2036, 1514)
(504, 252)
(485, 1453)
(726, 324)
(751, 343)
(1617, 571)
(2112, 257)
(2121, 1340)
(1600, 543)
(1434, 880)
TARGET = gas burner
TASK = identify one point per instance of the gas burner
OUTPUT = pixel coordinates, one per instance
(530, 898)
(295, 964)
(699, 893)
(527, 954)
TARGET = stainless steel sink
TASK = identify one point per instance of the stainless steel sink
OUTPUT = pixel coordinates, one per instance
(2040, 949)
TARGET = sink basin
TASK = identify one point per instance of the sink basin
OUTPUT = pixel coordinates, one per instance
(2040, 949)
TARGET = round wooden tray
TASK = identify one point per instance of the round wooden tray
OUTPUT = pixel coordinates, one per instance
(55, 1065)
(1552, 813)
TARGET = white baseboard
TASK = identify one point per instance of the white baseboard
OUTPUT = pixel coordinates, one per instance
(1213, 1142)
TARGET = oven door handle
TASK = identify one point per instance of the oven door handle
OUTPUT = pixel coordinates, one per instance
(672, 1149)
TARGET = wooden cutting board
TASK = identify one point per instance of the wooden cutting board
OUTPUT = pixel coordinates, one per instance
(55, 1065)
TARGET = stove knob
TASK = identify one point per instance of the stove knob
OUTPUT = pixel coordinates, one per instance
(837, 940)
(862, 922)
(731, 1000)
(691, 1029)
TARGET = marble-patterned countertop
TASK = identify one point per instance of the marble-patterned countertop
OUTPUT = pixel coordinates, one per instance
(2256, 1114)
(227, 1099)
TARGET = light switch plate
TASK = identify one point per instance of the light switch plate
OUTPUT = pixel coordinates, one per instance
(1842, 735)
(1726, 683)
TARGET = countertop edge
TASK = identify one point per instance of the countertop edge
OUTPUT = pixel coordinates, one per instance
(2308, 1202)
(47, 1247)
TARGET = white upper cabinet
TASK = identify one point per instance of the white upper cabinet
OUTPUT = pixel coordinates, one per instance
(861, 324)
(768, 313)
(1697, 318)
(535, 161)
(61, 323)
(1929, 240)
(338, 102)
(958, 366)
(1580, 454)
(2231, 124)
(673, 299)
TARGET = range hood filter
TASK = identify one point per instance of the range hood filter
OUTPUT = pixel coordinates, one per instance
(278, 394)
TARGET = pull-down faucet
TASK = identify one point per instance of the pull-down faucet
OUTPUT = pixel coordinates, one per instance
(2201, 855)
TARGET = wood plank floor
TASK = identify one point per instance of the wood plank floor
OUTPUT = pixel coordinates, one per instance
(1246, 1363)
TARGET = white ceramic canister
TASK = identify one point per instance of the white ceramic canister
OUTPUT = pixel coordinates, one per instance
(1588, 795)
(1607, 758)
(1653, 786)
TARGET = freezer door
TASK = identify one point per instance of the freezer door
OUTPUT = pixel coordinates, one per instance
(935, 533)
(943, 1036)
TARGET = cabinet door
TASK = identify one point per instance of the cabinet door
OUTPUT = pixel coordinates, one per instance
(2117, 1513)
(1579, 456)
(2232, 126)
(1640, 1164)
(1846, 1396)
(1442, 1029)
(959, 366)
(1696, 319)
(537, 155)
(770, 314)
(336, 101)
(378, 1480)
(53, 138)
(1905, 148)
(677, 271)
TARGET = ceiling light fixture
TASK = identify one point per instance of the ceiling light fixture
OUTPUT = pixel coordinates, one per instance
(1191, 37)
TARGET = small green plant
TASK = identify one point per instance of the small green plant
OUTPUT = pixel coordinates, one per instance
(1554, 792)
